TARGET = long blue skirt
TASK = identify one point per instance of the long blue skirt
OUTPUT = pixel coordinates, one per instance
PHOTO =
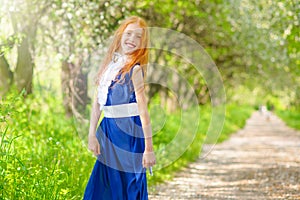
(118, 173)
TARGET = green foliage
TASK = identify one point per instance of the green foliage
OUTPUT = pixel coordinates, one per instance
(266, 41)
(42, 156)
(251, 42)
(254, 44)
(165, 141)
(290, 117)
(236, 116)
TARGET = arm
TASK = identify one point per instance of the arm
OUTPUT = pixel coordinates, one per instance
(93, 143)
(138, 83)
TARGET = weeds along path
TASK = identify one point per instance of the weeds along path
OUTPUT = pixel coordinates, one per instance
(259, 162)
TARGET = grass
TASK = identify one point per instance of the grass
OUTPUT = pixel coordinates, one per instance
(290, 117)
(236, 116)
(43, 156)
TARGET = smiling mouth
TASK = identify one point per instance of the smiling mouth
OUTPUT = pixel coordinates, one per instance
(130, 45)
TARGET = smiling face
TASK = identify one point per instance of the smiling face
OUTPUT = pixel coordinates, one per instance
(131, 38)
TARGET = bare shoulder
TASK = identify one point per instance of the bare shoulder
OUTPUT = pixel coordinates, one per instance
(137, 71)
(137, 68)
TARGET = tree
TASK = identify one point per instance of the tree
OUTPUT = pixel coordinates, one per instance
(76, 30)
(24, 19)
(267, 32)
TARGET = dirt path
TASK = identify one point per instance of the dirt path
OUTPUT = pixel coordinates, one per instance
(260, 162)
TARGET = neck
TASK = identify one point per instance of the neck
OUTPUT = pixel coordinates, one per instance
(120, 51)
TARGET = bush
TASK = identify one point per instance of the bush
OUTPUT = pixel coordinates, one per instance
(236, 116)
(290, 117)
(41, 155)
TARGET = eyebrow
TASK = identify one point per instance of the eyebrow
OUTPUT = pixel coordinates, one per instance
(135, 29)
(132, 30)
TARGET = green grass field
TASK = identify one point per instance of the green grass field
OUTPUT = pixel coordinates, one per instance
(43, 154)
(290, 117)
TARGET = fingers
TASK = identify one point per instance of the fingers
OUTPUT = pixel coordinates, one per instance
(148, 164)
(149, 159)
(94, 146)
(95, 151)
(98, 150)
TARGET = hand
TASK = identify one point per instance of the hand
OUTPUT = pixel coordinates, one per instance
(94, 145)
(149, 159)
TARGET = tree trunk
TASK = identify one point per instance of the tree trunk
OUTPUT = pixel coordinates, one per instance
(81, 98)
(24, 70)
(74, 84)
(6, 76)
(66, 86)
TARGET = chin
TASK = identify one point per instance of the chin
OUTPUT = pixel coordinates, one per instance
(130, 51)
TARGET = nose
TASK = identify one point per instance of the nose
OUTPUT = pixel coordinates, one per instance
(131, 37)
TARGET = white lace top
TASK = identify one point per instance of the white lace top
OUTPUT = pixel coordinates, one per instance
(117, 63)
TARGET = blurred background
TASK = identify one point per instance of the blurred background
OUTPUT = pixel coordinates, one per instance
(46, 88)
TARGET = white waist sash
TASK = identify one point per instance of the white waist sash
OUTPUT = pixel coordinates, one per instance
(122, 110)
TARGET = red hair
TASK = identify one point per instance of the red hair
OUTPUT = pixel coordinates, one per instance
(138, 56)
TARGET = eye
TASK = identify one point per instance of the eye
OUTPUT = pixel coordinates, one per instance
(139, 36)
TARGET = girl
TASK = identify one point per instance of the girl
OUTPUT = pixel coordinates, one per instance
(123, 140)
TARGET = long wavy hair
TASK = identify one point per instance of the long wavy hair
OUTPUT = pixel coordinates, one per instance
(140, 55)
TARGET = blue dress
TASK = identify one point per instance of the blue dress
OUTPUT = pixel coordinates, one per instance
(118, 173)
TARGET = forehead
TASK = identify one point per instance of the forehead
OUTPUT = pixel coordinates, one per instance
(135, 28)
